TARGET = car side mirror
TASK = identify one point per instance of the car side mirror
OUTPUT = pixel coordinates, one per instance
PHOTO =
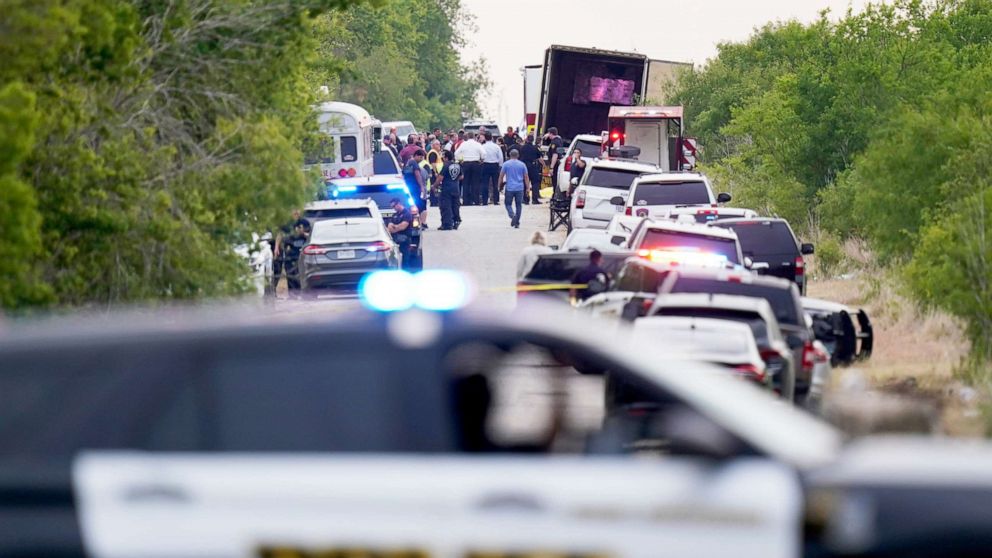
(617, 200)
(748, 262)
(723, 197)
(617, 240)
(807, 249)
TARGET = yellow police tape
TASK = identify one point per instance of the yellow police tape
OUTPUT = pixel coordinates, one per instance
(531, 288)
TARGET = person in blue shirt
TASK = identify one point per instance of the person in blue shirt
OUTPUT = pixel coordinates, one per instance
(514, 175)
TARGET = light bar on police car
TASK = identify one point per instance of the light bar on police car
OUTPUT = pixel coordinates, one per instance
(436, 290)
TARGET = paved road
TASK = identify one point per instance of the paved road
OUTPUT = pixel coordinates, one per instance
(485, 247)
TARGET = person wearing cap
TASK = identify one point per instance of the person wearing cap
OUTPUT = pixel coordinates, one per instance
(400, 227)
(514, 173)
(530, 155)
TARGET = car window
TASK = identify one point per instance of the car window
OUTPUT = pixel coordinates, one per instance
(785, 306)
(338, 213)
(349, 149)
(340, 230)
(602, 177)
(629, 278)
(384, 163)
(589, 148)
(664, 239)
(759, 238)
(672, 193)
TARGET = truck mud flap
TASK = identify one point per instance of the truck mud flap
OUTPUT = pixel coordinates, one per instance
(866, 336)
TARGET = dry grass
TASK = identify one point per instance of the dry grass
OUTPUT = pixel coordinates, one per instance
(916, 353)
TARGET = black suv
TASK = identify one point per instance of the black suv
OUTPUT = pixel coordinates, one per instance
(784, 299)
(772, 247)
(552, 272)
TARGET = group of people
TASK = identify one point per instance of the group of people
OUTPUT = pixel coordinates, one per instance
(468, 168)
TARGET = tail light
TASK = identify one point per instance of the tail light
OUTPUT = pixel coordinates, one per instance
(809, 356)
(342, 173)
(800, 266)
(314, 250)
(629, 211)
(568, 164)
(769, 354)
(379, 246)
(580, 201)
(750, 372)
(351, 172)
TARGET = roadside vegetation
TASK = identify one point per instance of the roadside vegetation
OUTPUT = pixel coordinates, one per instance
(873, 128)
(140, 139)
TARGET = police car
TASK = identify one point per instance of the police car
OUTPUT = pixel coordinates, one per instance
(416, 429)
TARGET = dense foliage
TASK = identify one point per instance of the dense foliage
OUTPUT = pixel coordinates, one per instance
(141, 139)
(875, 125)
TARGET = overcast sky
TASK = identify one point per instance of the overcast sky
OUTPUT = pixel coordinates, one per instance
(514, 33)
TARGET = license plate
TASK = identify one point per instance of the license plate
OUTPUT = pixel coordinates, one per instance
(346, 254)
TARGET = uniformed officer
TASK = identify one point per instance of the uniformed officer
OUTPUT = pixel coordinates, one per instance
(450, 175)
(401, 227)
(289, 243)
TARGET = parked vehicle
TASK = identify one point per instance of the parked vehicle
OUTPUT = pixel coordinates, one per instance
(630, 296)
(588, 239)
(403, 128)
(846, 333)
(482, 126)
(552, 274)
(685, 244)
(654, 133)
(782, 295)
(756, 313)
(317, 211)
(772, 247)
(341, 251)
(655, 195)
(709, 214)
(605, 179)
(728, 344)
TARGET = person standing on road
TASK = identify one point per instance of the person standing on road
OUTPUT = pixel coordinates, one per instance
(514, 173)
(554, 145)
(491, 163)
(530, 155)
(589, 273)
(529, 255)
(289, 243)
(470, 155)
(451, 176)
(435, 158)
(411, 147)
(413, 175)
(400, 227)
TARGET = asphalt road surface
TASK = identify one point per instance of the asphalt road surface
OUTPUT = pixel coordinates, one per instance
(484, 247)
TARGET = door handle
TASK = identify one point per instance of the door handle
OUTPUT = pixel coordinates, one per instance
(156, 493)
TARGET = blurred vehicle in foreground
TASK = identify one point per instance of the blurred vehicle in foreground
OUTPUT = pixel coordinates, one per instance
(424, 432)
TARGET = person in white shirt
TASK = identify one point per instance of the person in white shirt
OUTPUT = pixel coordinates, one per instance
(470, 155)
(491, 162)
(529, 255)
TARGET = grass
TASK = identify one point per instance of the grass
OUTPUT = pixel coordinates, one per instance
(918, 353)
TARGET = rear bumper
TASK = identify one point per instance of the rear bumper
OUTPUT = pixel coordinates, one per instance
(350, 273)
(579, 221)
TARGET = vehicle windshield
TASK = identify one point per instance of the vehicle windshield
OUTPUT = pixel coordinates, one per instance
(784, 304)
(661, 239)
(602, 177)
(672, 193)
(341, 230)
(764, 238)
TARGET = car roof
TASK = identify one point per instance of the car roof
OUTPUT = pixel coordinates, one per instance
(719, 210)
(725, 222)
(341, 204)
(820, 305)
(692, 228)
(746, 277)
(663, 177)
(624, 164)
(710, 300)
(587, 137)
(705, 325)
